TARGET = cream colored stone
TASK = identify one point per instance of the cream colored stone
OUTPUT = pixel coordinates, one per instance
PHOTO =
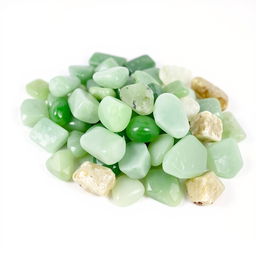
(191, 106)
(205, 189)
(95, 178)
(206, 127)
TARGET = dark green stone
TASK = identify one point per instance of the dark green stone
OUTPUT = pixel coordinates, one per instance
(140, 63)
(84, 73)
(98, 57)
(113, 167)
(76, 125)
(156, 89)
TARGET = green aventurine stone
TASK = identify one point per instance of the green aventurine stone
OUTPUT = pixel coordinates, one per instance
(49, 135)
(177, 88)
(104, 145)
(143, 77)
(62, 164)
(98, 57)
(38, 89)
(106, 64)
(136, 161)
(114, 114)
(139, 97)
(163, 187)
(231, 127)
(114, 78)
(83, 73)
(159, 147)
(140, 63)
(76, 125)
(142, 129)
(224, 158)
(170, 115)
(62, 85)
(210, 104)
(127, 191)
(32, 110)
(50, 100)
(186, 159)
(84, 106)
(99, 92)
(73, 144)
(114, 167)
(154, 72)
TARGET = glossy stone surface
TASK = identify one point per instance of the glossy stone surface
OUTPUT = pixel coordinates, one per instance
(83, 73)
(106, 64)
(210, 104)
(177, 88)
(49, 135)
(143, 77)
(73, 144)
(224, 158)
(170, 115)
(76, 125)
(99, 57)
(140, 63)
(99, 92)
(38, 89)
(136, 161)
(191, 106)
(186, 159)
(91, 83)
(114, 114)
(50, 100)
(84, 106)
(114, 167)
(126, 191)
(104, 145)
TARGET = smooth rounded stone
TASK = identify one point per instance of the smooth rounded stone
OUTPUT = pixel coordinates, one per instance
(99, 92)
(140, 63)
(38, 89)
(114, 114)
(139, 97)
(163, 187)
(157, 90)
(210, 104)
(114, 167)
(192, 93)
(73, 144)
(91, 83)
(86, 158)
(127, 191)
(136, 161)
(177, 88)
(114, 78)
(224, 158)
(159, 147)
(62, 164)
(106, 64)
(84, 106)
(186, 159)
(142, 129)
(103, 144)
(191, 106)
(32, 110)
(83, 73)
(170, 115)
(99, 57)
(50, 100)
(143, 77)
(169, 74)
(154, 72)
(62, 85)
(76, 125)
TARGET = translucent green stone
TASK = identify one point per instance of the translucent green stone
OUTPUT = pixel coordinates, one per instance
(224, 158)
(91, 83)
(127, 191)
(103, 144)
(114, 114)
(83, 73)
(49, 135)
(106, 64)
(186, 159)
(170, 115)
(84, 106)
(99, 92)
(210, 104)
(114, 167)
(143, 77)
(99, 57)
(154, 72)
(62, 164)
(38, 89)
(50, 99)
(76, 125)
(177, 88)
(159, 147)
(163, 187)
(231, 127)
(157, 90)
(136, 161)
(32, 110)
(140, 63)
(73, 144)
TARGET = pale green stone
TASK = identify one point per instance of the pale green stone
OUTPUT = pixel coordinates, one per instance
(170, 115)
(86, 158)
(177, 88)
(50, 99)
(224, 158)
(84, 106)
(114, 114)
(159, 147)
(49, 135)
(210, 104)
(106, 64)
(103, 144)
(99, 92)
(38, 89)
(186, 159)
(154, 72)
(62, 85)
(127, 191)
(73, 144)
(191, 93)
(143, 78)
(113, 78)
(139, 97)
(32, 110)
(62, 164)
(91, 83)
(136, 161)
(83, 73)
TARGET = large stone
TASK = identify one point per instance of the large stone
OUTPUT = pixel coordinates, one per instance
(38, 89)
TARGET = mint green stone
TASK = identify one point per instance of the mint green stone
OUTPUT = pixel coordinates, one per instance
(83, 73)
(49, 135)
(51, 99)
(177, 88)
(154, 72)
(38, 89)
(136, 161)
(163, 187)
(186, 159)
(140, 63)
(143, 78)
(84, 106)
(62, 85)
(210, 104)
(114, 78)
(73, 144)
(99, 57)
(156, 88)
(114, 114)
(231, 127)
(106, 64)
(170, 115)
(130, 80)
(191, 93)
(86, 158)
(99, 92)
(32, 110)
(159, 147)
(91, 83)
(224, 158)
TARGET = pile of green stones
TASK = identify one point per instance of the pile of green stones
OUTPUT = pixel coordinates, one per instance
(125, 129)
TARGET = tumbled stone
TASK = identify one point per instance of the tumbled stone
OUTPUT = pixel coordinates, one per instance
(140, 63)
(191, 106)
(154, 72)
(100, 93)
(83, 73)
(51, 99)
(192, 93)
(143, 77)
(91, 83)
(205, 189)
(94, 178)
(177, 88)
(106, 64)
(73, 144)
(210, 104)
(99, 57)
(156, 88)
(76, 125)
(38, 89)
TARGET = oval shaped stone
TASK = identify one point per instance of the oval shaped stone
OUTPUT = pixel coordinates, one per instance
(38, 89)
(73, 144)
(143, 77)
(106, 64)
(99, 92)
